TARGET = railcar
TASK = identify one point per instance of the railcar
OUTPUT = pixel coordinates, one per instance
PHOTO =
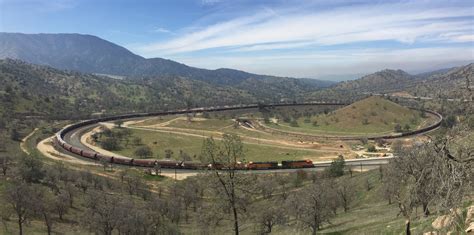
(169, 164)
(75, 150)
(194, 165)
(297, 164)
(144, 162)
(122, 161)
(102, 157)
(262, 165)
(89, 154)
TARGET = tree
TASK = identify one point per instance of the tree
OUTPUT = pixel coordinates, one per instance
(406, 127)
(337, 166)
(168, 153)
(309, 206)
(346, 192)
(143, 152)
(103, 212)
(110, 143)
(5, 163)
(268, 214)
(61, 205)
(43, 206)
(365, 121)
(17, 194)
(227, 152)
(429, 176)
(449, 121)
(15, 135)
(118, 123)
(294, 123)
(31, 169)
(137, 141)
(398, 128)
(183, 156)
(371, 148)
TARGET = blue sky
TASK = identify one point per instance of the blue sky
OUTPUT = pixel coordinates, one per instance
(301, 38)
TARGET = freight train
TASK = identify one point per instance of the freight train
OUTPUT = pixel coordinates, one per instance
(59, 140)
(171, 164)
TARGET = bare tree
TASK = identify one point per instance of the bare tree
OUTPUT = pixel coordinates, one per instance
(268, 214)
(346, 191)
(17, 194)
(429, 176)
(5, 163)
(227, 152)
(103, 212)
(309, 206)
(43, 205)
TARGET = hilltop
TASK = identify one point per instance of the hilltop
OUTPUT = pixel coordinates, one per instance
(374, 113)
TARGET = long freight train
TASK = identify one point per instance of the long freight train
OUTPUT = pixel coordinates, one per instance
(182, 164)
(59, 140)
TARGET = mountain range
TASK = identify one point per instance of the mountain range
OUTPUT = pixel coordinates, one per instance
(85, 66)
(90, 54)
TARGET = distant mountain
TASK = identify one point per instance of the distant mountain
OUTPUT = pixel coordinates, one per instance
(426, 75)
(444, 83)
(454, 83)
(384, 80)
(90, 54)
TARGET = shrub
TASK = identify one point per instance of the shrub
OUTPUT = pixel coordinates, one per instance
(371, 148)
(143, 152)
(337, 166)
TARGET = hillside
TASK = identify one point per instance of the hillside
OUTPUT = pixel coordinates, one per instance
(380, 81)
(444, 83)
(456, 83)
(90, 54)
(43, 91)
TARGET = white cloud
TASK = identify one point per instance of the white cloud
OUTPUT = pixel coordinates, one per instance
(278, 28)
(160, 30)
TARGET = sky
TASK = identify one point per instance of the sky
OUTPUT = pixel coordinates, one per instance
(332, 40)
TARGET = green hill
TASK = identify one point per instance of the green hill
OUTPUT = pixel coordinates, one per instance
(368, 116)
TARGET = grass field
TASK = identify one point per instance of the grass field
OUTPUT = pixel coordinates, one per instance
(161, 141)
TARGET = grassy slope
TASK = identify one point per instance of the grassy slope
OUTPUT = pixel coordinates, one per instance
(381, 115)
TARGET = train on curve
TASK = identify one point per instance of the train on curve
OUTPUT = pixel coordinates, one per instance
(171, 164)
(61, 143)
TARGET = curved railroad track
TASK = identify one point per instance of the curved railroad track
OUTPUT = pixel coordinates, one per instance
(69, 138)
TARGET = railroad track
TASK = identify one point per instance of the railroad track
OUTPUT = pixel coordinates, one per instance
(69, 138)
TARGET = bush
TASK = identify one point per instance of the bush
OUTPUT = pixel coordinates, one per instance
(337, 166)
(371, 148)
(398, 128)
(110, 143)
(143, 152)
(449, 121)
(294, 123)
